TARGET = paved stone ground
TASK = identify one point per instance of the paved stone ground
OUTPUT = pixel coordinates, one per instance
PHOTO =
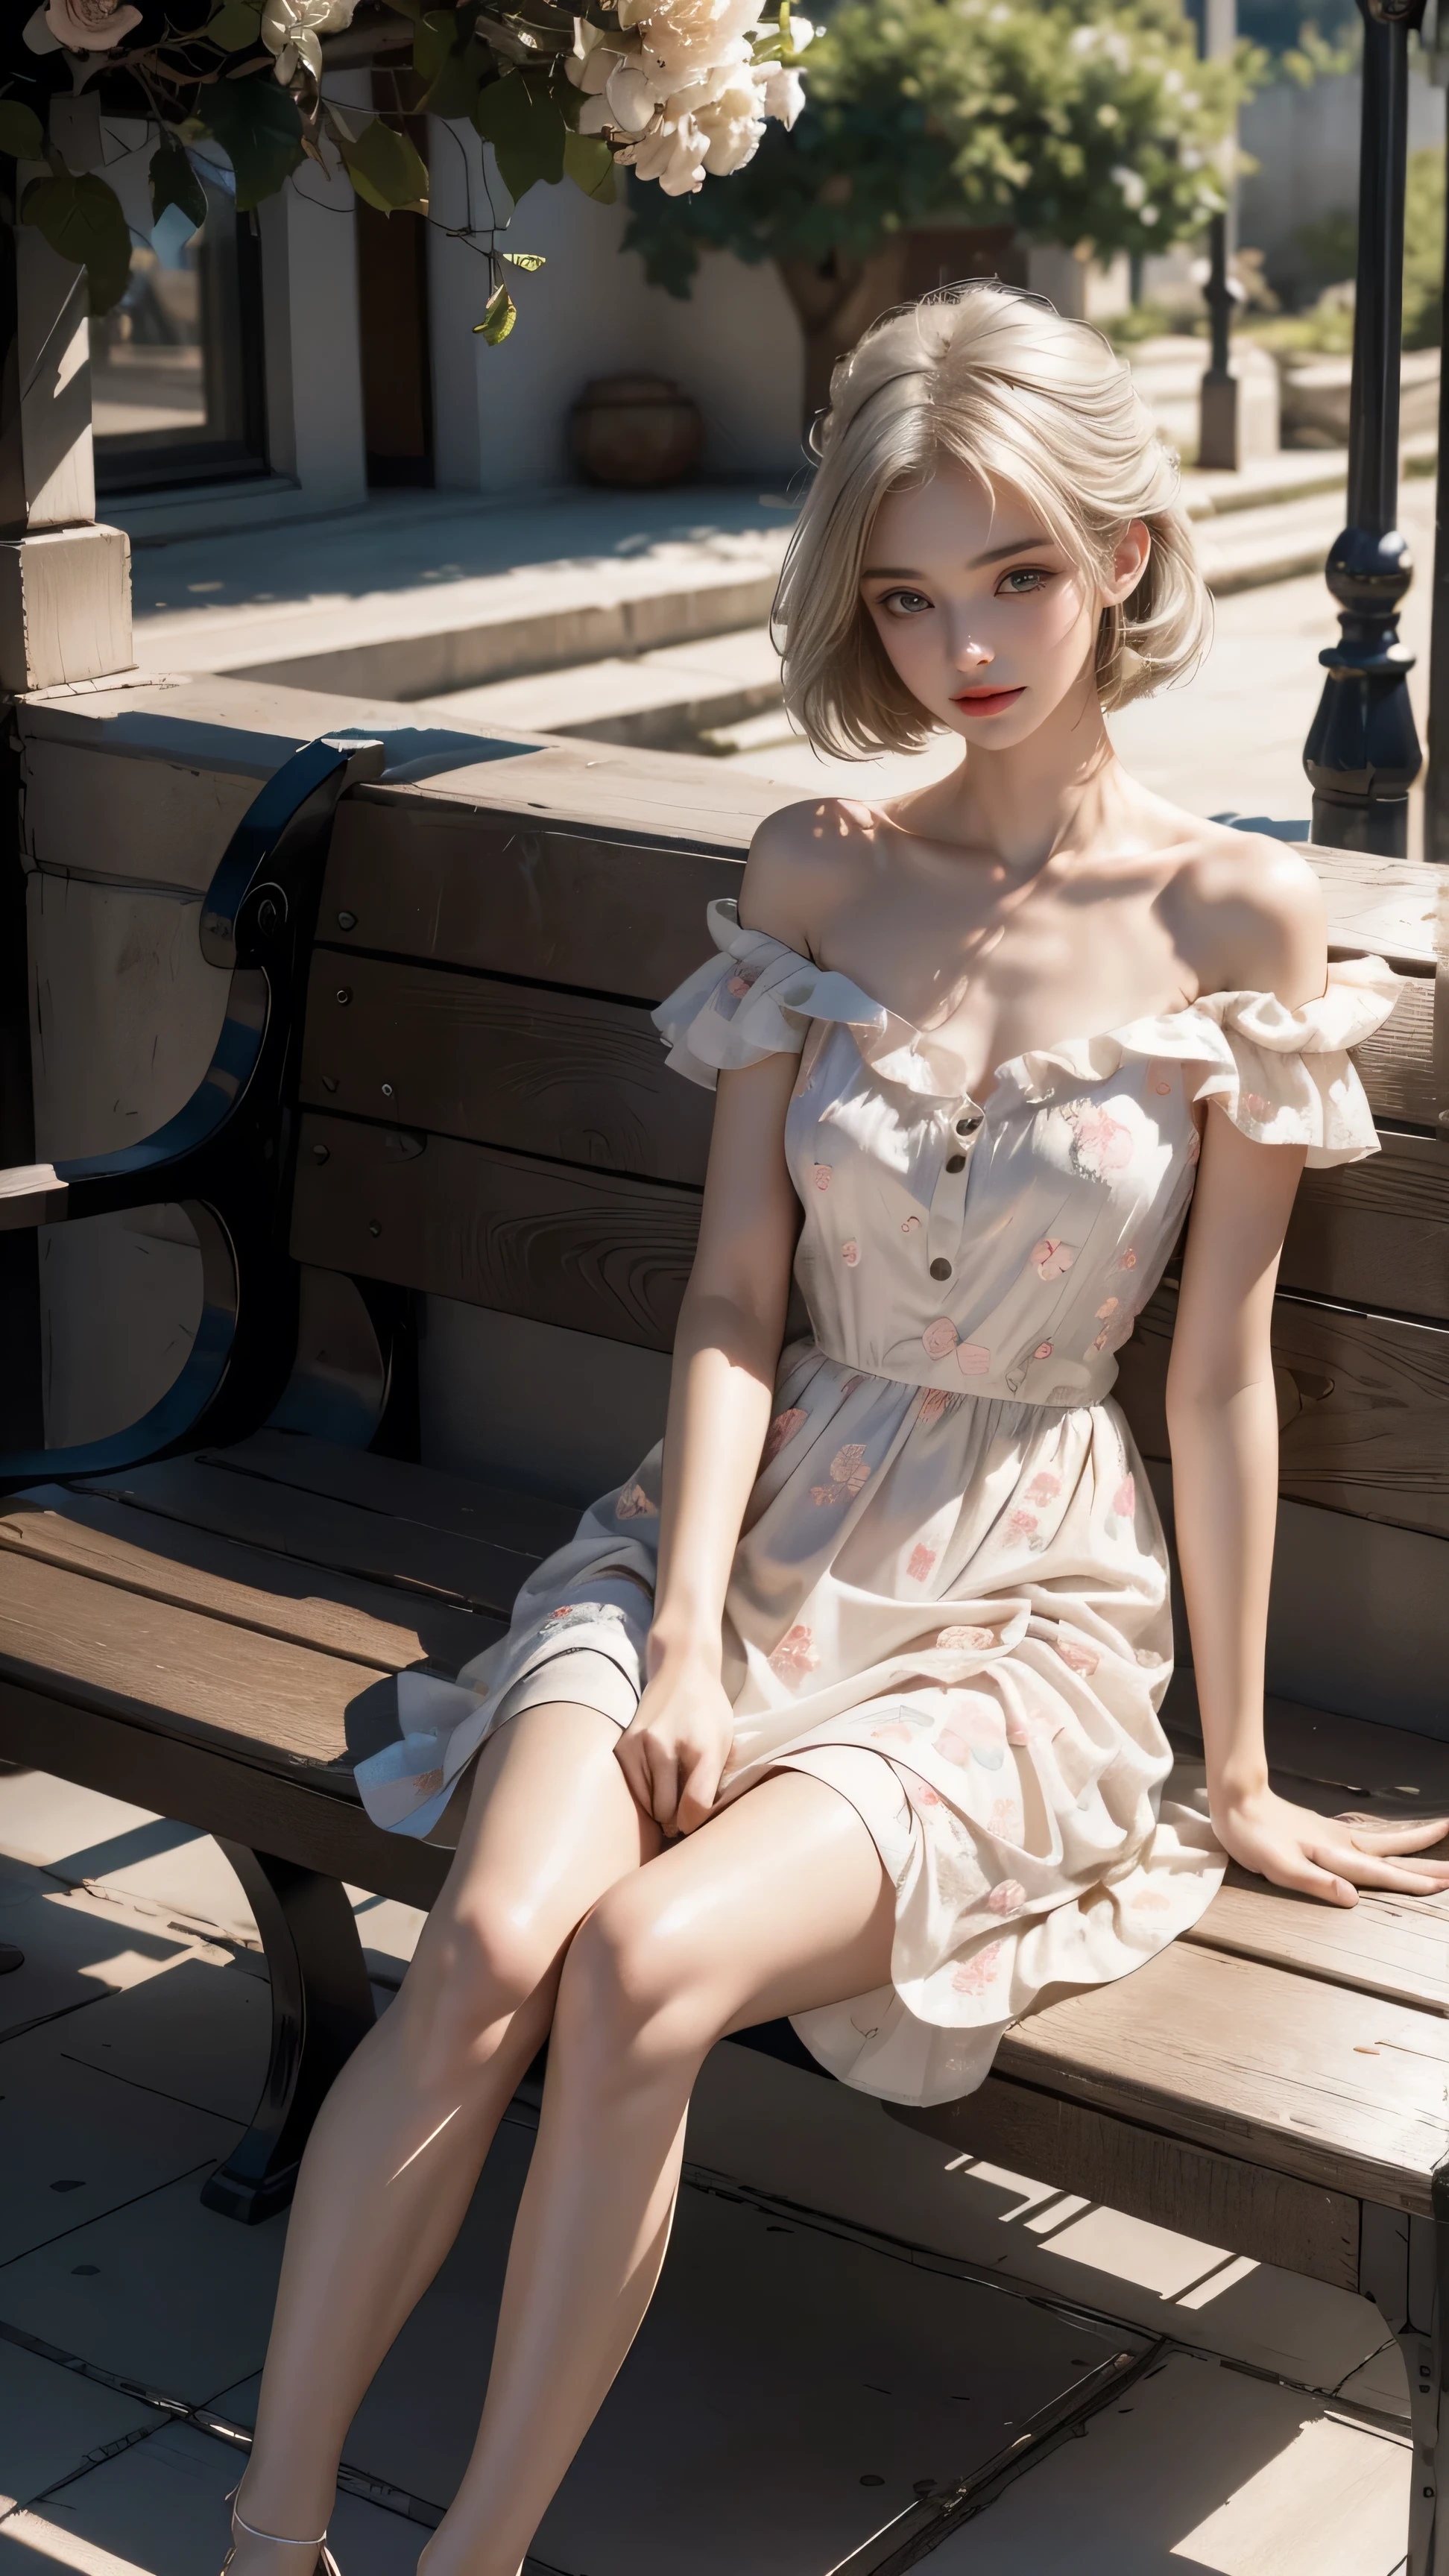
(848, 2317)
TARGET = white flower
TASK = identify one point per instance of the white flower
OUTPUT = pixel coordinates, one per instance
(1131, 187)
(803, 32)
(732, 125)
(673, 154)
(291, 30)
(87, 26)
(782, 93)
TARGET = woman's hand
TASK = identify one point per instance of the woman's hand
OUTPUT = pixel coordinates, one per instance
(1331, 1857)
(679, 1742)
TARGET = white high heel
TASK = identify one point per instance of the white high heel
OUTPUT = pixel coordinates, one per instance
(325, 2559)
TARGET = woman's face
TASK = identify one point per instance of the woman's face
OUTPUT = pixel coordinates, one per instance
(986, 620)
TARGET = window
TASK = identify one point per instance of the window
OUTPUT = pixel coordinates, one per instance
(176, 367)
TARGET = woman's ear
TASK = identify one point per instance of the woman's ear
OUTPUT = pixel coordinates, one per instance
(1129, 563)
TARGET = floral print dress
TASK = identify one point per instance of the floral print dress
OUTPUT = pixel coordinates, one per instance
(950, 1594)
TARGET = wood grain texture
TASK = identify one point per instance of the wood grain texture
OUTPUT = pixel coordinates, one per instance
(559, 1074)
(1376, 1233)
(401, 1490)
(516, 895)
(1397, 1947)
(1342, 2089)
(1396, 1065)
(1363, 1407)
(598, 1255)
(693, 800)
(302, 1814)
(163, 1559)
(199, 1675)
(1376, 907)
(1225, 2202)
(340, 1538)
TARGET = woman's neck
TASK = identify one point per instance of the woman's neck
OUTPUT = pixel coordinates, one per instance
(1062, 785)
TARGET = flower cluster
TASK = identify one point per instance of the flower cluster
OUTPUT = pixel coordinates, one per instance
(681, 87)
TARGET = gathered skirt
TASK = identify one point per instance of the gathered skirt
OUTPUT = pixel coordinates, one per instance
(956, 1610)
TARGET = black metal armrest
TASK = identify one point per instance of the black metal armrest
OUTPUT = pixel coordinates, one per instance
(226, 1156)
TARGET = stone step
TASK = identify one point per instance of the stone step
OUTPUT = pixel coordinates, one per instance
(662, 701)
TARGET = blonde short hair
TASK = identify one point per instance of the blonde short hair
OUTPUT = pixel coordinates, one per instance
(997, 381)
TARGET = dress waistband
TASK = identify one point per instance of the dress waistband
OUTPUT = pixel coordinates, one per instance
(945, 1379)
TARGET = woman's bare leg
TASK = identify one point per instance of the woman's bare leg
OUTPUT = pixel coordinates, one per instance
(400, 2141)
(778, 1904)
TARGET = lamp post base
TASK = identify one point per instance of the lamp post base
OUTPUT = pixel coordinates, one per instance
(1219, 439)
(1349, 823)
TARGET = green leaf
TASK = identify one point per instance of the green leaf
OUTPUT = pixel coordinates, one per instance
(236, 26)
(530, 261)
(499, 315)
(589, 162)
(454, 90)
(257, 125)
(175, 183)
(385, 168)
(436, 38)
(82, 219)
(21, 132)
(527, 133)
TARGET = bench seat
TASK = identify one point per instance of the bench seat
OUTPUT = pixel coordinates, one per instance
(222, 1632)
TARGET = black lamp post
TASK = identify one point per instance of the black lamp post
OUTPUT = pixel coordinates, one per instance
(1362, 752)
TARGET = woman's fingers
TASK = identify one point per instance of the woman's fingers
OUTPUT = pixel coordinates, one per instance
(697, 1797)
(1312, 1873)
(1383, 1870)
(1394, 1833)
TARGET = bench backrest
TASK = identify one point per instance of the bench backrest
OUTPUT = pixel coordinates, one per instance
(487, 1119)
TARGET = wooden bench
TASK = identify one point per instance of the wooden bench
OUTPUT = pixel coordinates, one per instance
(438, 1092)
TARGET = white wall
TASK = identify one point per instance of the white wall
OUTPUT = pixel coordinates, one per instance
(501, 415)
(1305, 142)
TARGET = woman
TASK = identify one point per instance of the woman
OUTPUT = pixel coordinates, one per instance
(897, 1601)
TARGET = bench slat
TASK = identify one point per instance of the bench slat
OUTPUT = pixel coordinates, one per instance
(1221, 2200)
(1350, 1759)
(196, 1675)
(401, 1490)
(247, 1792)
(1375, 1233)
(1342, 2089)
(560, 1074)
(516, 895)
(598, 1254)
(1394, 1947)
(476, 1574)
(1363, 1407)
(163, 1559)
(1396, 1065)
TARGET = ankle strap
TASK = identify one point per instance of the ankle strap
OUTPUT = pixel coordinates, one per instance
(274, 2537)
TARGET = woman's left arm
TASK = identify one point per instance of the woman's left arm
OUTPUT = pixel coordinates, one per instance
(1223, 1425)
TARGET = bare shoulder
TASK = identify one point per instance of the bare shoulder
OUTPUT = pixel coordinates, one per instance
(1251, 916)
(800, 861)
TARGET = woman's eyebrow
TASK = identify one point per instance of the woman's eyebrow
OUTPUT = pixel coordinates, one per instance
(993, 554)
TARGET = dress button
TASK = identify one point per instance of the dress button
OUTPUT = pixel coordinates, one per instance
(968, 1125)
(956, 1163)
(940, 1268)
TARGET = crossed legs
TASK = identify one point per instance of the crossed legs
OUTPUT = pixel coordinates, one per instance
(560, 1910)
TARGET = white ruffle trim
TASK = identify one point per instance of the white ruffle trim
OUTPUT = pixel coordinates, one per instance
(1282, 1075)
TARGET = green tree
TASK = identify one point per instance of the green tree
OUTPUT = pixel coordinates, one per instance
(1078, 121)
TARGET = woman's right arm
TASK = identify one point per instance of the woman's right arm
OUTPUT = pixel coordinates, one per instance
(731, 1327)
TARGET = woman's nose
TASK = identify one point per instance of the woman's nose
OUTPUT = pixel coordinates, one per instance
(968, 651)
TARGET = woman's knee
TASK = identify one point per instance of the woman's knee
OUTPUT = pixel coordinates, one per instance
(482, 1965)
(634, 1989)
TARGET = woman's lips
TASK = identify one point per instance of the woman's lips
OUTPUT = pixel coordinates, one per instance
(988, 702)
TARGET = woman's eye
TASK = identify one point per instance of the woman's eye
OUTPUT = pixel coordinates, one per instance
(1021, 584)
(905, 603)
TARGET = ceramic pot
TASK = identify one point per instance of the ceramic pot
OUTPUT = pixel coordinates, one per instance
(635, 430)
